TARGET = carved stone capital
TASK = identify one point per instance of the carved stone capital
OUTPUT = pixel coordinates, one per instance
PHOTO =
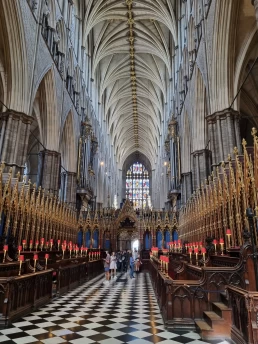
(172, 127)
(223, 115)
(26, 119)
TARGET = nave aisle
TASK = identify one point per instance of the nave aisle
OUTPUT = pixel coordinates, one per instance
(125, 311)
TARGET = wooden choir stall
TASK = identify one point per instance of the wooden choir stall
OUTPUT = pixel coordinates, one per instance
(39, 254)
(208, 278)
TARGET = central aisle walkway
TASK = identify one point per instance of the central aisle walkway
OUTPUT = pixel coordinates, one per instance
(125, 311)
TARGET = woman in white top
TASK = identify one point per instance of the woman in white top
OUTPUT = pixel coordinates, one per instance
(113, 264)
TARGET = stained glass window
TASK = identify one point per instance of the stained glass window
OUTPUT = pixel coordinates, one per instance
(138, 186)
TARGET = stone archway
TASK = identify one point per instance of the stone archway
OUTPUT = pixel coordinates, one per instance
(127, 227)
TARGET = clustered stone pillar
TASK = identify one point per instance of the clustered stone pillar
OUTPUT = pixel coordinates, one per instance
(187, 188)
(49, 170)
(224, 134)
(69, 186)
(255, 3)
(201, 167)
(15, 132)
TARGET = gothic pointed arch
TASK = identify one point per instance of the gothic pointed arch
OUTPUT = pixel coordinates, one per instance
(13, 57)
(68, 144)
(46, 103)
(222, 66)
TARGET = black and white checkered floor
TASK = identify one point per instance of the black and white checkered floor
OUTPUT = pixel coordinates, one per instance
(123, 311)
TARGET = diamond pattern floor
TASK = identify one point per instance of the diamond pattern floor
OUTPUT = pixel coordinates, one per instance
(123, 311)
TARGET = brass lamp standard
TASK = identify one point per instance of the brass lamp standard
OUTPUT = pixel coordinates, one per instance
(46, 258)
(228, 234)
(35, 258)
(203, 255)
(221, 242)
(19, 251)
(5, 250)
(215, 243)
(190, 252)
(21, 259)
(196, 251)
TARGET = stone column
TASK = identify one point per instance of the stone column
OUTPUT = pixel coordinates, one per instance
(255, 3)
(69, 187)
(224, 134)
(15, 132)
(187, 188)
(201, 167)
(49, 170)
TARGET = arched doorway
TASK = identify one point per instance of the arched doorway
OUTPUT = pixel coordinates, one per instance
(135, 245)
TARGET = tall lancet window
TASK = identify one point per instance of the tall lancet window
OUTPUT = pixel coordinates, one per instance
(138, 186)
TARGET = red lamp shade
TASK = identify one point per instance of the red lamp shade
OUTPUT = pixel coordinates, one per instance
(42, 239)
(215, 242)
(51, 241)
(24, 241)
(47, 243)
(58, 241)
(203, 250)
(196, 250)
(5, 247)
(37, 242)
(19, 248)
(35, 257)
(21, 258)
(31, 242)
(46, 256)
(228, 231)
(221, 241)
(200, 243)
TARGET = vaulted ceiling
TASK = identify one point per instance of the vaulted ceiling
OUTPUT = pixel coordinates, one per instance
(132, 58)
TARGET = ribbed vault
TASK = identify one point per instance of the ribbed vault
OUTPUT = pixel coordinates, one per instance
(133, 43)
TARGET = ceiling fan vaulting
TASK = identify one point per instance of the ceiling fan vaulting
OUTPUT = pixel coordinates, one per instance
(133, 44)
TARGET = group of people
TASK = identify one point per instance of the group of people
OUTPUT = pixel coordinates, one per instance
(120, 262)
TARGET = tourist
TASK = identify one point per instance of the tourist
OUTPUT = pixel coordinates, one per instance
(106, 266)
(138, 263)
(113, 264)
(131, 266)
(119, 261)
(124, 262)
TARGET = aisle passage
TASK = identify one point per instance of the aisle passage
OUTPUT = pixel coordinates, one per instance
(124, 311)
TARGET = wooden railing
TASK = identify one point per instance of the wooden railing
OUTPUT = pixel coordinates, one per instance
(19, 295)
(71, 276)
(244, 306)
(184, 298)
(22, 294)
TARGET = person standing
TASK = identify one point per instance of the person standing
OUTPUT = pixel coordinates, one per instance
(127, 257)
(119, 261)
(131, 265)
(138, 263)
(107, 266)
(113, 264)
(124, 263)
